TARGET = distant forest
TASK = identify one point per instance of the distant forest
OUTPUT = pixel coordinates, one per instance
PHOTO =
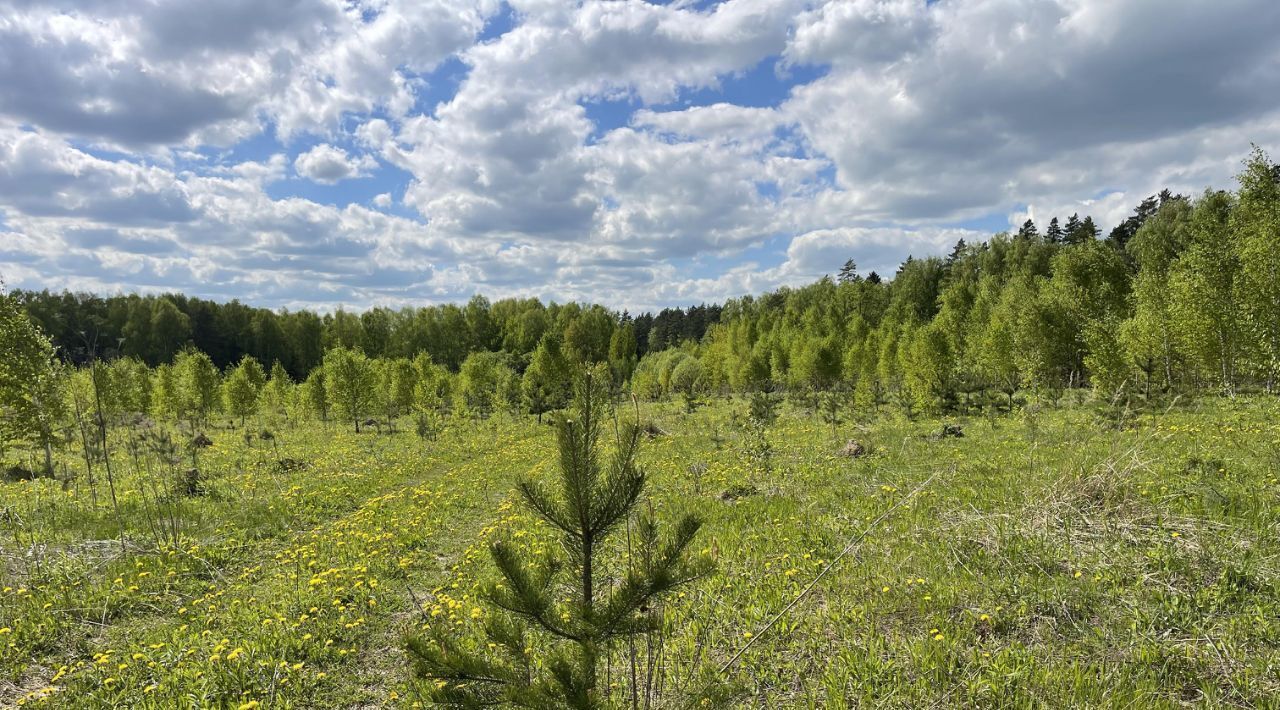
(154, 328)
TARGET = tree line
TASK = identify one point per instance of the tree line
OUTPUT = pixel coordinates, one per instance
(155, 328)
(1182, 296)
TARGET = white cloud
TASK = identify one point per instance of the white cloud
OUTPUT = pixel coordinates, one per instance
(1009, 102)
(922, 115)
(135, 73)
(328, 164)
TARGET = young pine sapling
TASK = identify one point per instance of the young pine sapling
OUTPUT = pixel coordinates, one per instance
(553, 625)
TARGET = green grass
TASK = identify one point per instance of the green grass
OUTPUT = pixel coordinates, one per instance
(1053, 560)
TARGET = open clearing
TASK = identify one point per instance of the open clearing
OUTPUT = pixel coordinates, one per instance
(1055, 559)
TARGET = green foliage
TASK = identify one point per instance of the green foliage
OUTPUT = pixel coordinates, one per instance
(622, 352)
(314, 395)
(762, 413)
(32, 384)
(349, 384)
(1111, 367)
(929, 365)
(588, 336)
(545, 385)
(1255, 221)
(196, 391)
(1205, 301)
(242, 387)
(1185, 289)
(432, 385)
(484, 384)
(278, 393)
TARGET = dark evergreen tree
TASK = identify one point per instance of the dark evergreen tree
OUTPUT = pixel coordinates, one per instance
(1071, 228)
(1028, 231)
(1088, 230)
(849, 273)
(1054, 235)
(1123, 232)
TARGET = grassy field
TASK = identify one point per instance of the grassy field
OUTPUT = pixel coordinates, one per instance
(1053, 559)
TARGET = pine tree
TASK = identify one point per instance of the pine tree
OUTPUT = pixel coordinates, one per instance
(1028, 231)
(1072, 229)
(546, 649)
(1088, 231)
(1054, 235)
(848, 273)
(1123, 232)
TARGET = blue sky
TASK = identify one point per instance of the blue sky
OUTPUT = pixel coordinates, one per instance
(325, 153)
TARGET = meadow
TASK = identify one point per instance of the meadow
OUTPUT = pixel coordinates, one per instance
(1053, 557)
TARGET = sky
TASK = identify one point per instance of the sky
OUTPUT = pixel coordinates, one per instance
(326, 153)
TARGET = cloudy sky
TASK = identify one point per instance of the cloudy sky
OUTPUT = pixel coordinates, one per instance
(358, 152)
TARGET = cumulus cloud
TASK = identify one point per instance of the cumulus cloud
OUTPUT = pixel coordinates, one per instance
(136, 73)
(147, 145)
(327, 164)
(1005, 98)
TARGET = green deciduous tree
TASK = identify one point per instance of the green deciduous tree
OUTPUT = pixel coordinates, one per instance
(349, 384)
(1205, 303)
(314, 394)
(1255, 223)
(480, 383)
(1150, 335)
(195, 386)
(33, 401)
(622, 353)
(929, 367)
(277, 393)
(546, 382)
(241, 388)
